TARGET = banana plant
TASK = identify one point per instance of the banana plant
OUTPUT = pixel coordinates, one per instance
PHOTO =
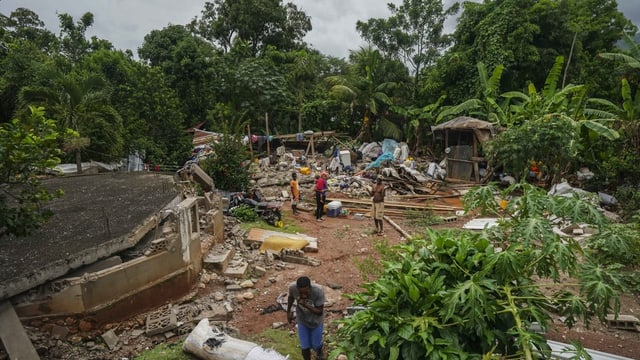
(362, 93)
(418, 119)
(568, 102)
(630, 60)
(628, 115)
(486, 107)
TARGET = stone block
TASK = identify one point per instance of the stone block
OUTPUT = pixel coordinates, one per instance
(237, 271)
(218, 260)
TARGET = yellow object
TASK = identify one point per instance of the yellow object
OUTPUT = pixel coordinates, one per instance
(503, 204)
(277, 243)
(305, 171)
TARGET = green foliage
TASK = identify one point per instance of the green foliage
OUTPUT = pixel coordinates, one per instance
(422, 218)
(281, 341)
(228, 165)
(245, 213)
(619, 243)
(27, 148)
(461, 295)
(258, 23)
(551, 140)
(166, 351)
(412, 34)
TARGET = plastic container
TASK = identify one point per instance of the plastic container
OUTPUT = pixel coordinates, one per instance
(345, 157)
(334, 209)
(305, 171)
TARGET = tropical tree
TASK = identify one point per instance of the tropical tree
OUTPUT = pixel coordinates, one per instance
(362, 92)
(25, 25)
(486, 107)
(189, 67)
(73, 43)
(418, 121)
(526, 36)
(412, 34)
(80, 101)
(258, 23)
(28, 147)
(471, 295)
(552, 102)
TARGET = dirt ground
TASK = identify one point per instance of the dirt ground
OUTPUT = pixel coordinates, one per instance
(344, 241)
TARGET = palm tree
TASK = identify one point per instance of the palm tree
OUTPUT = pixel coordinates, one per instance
(362, 92)
(80, 102)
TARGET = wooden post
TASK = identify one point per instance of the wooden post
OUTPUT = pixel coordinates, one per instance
(250, 142)
(266, 120)
(476, 168)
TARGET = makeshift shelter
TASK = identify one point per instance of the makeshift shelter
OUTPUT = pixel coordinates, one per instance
(462, 139)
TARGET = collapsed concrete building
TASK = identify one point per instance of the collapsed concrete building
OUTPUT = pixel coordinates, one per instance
(118, 244)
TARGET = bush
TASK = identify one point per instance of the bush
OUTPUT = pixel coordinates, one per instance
(227, 165)
(549, 140)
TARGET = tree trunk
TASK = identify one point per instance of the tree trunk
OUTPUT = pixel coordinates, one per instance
(78, 162)
(365, 131)
(566, 69)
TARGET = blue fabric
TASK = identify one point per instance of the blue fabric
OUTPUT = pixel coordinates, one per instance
(389, 146)
(384, 157)
(310, 338)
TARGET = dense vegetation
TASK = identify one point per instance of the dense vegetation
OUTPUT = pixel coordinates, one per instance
(549, 72)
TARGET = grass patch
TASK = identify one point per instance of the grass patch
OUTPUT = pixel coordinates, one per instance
(278, 339)
(166, 351)
(422, 218)
(281, 341)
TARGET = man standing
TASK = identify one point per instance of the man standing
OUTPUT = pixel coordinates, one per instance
(309, 300)
(295, 193)
(377, 211)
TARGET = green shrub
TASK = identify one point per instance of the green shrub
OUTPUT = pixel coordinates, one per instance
(245, 213)
(469, 295)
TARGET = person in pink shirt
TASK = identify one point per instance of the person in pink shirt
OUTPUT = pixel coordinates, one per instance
(320, 189)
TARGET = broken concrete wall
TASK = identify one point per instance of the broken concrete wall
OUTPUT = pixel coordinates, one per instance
(168, 271)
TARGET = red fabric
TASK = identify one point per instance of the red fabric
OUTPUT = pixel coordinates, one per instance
(321, 184)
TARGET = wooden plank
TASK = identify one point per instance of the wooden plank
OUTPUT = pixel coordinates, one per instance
(14, 338)
(397, 227)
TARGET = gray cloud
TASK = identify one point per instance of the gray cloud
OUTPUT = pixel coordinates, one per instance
(126, 22)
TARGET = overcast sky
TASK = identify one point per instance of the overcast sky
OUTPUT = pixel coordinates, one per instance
(125, 22)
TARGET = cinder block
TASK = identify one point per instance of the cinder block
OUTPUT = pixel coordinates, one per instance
(625, 322)
(161, 322)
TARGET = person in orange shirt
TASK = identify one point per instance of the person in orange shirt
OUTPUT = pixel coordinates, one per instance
(295, 193)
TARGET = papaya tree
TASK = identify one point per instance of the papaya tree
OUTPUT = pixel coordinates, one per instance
(28, 147)
(456, 294)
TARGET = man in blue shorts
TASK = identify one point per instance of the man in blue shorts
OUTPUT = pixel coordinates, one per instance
(309, 299)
